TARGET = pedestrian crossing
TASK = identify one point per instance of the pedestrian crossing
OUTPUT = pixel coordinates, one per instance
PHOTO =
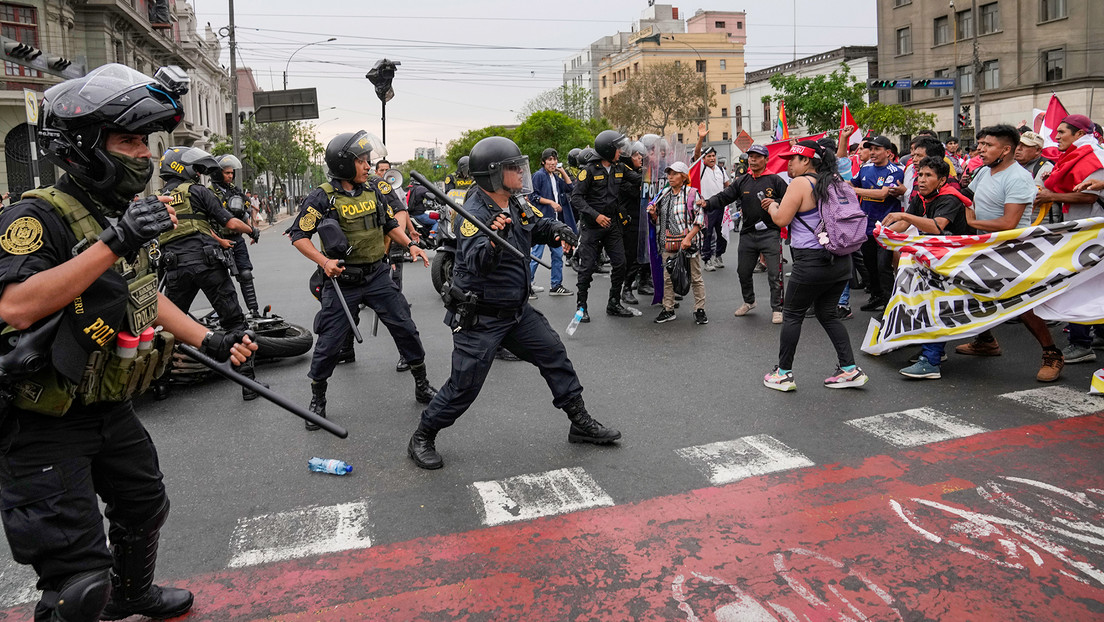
(317, 530)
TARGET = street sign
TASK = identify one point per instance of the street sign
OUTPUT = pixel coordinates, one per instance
(934, 83)
(289, 105)
(31, 100)
(926, 83)
(744, 141)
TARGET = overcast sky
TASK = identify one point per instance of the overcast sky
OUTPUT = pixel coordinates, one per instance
(471, 64)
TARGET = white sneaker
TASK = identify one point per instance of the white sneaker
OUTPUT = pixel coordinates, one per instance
(776, 317)
(537, 288)
(717, 263)
(743, 309)
(709, 267)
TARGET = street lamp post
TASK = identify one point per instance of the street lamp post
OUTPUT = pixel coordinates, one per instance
(288, 65)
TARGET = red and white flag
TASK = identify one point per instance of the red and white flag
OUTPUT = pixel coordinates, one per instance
(845, 120)
(1046, 123)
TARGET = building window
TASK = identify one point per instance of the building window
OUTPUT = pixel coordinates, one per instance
(990, 75)
(942, 73)
(603, 81)
(680, 137)
(964, 24)
(990, 18)
(678, 63)
(19, 23)
(1054, 65)
(724, 64)
(700, 66)
(965, 79)
(720, 25)
(724, 89)
(901, 2)
(724, 136)
(636, 67)
(766, 116)
(904, 40)
(739, 117)
(724, 112)
(942, 30)
(904, 96)
(1052, 9)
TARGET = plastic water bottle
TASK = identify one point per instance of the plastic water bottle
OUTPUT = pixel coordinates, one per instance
(575, 321)
(634, 310)
(333, 467)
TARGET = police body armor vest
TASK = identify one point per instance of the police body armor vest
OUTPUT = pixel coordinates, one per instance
(107, 377)
(362, 219)
(188, 221)
(233, 203)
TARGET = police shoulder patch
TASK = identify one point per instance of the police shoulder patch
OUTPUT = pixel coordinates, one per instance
(468, 229)
(384, 187)
(22, 237)
(582, 174)
(308, 221)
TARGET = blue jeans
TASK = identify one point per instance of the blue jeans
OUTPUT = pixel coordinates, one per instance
(845, 297)
(427, 221)
(1081, 335)
(557, 264)
(933, 352)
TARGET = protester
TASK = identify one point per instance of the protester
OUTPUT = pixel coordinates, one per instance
(551, 192)
(678, 226)
(878, 187)
(712, 183)
(818, 276)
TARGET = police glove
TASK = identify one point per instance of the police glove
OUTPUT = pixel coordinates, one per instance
(563, 233)
(255, 235)
(217, 343)
(142, 221)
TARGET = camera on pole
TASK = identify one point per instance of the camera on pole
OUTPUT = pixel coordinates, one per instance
(381, 76)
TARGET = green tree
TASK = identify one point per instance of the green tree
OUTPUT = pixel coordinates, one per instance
(574, 101)
(815, 101)
(462, 146)
(662, 96)
(548, 128)
(433, 171)
(892, 119)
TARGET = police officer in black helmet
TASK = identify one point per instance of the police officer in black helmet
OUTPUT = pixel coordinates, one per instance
(488, 303)
(352, 220)
(462, 179)
(596, 201)
(235, 202)
(76, 281)
(192, 258)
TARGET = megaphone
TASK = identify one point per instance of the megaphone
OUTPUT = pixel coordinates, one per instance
(393, 177)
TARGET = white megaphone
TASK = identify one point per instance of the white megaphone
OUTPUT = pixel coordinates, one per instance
(393, 177)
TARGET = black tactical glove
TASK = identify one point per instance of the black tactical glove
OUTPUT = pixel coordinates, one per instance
(143, 220)
(255, 234)
(564, 233)
(217, 343)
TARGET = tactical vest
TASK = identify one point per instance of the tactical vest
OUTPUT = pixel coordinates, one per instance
(106, 377)
(362, 219)
(234, 203)
(188, 221)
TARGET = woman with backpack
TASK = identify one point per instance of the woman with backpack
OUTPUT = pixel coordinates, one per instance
(819, 274)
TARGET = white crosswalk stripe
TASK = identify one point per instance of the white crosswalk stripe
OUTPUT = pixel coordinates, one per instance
(915, 427)
(526, 497)
(730, 461)
(300, 533)
(1059, 401)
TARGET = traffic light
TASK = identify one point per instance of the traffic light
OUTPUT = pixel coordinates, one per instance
(381, 75)
(921, 84)
(964, 117)
(16, 49)
(881, 84)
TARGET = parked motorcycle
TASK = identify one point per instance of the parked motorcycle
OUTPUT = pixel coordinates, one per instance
(443, 260)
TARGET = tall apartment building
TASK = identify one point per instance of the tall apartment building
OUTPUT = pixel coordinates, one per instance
(1027, 49)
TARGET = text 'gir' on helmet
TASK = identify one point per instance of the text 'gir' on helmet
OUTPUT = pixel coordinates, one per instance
(79, 114)
(608, 142)
(497, 164)
(187, 163)
(344, 149)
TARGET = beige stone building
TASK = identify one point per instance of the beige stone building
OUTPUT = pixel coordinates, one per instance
(1027, 49)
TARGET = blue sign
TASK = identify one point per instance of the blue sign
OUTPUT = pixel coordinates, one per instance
(942, 83)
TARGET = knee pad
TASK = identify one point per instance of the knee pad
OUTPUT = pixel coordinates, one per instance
(83, 596)
(245, 275)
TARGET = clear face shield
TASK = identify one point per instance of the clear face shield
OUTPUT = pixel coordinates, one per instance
(513, 175)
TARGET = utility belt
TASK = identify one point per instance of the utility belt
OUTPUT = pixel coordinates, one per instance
(107, 378)
(502, 313)
(213, 256)
(354, 274)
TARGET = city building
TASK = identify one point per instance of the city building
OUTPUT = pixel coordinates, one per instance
(747, 110)
(426, 153)
(1027, 50)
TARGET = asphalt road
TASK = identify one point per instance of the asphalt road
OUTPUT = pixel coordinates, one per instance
(666, 387)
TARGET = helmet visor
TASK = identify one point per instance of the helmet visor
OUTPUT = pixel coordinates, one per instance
(622, 144)
(513, 175)
(203, 162)
(101, 87)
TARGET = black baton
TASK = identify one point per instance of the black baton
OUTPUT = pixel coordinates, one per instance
(226, 370)
(435, 191)
(345, 305)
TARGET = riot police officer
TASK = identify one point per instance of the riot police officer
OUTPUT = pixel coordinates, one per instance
(235, 202)
(488, 302)
(192, 259)
(352, 221)
(632, 217)
(462, 179)
(596, 200)
(76, 282)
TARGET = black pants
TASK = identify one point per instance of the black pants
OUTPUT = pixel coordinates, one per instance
(240, 250)
(382, 295)
(51, 471)
(817, 280)
(714, 243)
(528, 335)
(767, 243)
(879, 267)
(185, 281)
(593, 240)
(630, 236)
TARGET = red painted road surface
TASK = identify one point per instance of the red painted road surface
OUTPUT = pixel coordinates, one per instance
(1002, 526)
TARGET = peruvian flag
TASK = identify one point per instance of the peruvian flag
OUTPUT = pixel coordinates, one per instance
(845, 120)
(695, 175)
(775, 163)
(1045, 123)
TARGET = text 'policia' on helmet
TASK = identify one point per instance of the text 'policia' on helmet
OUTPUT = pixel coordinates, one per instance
(463, 169)
(345, 148)
(78, 114)
(187, 163)
(495, 160)
(608, 142)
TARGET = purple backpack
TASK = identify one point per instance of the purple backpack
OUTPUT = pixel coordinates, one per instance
(842, 226)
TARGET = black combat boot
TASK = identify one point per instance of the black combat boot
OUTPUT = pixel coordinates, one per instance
(584, 429)
(133, 592)
(246, 369)
(644, 276)
(348, 351)
(422, 450)
(249, 293)
(423, 391)
(614, 308)
(627, 295)
(318, 403)
(402, 365)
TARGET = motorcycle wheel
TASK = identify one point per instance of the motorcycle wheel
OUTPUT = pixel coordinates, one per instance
(440, 271)
(295, 341)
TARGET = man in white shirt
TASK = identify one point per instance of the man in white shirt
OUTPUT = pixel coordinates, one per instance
(712, 182)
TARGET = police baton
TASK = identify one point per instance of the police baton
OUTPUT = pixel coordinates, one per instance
(226, 370)
(435, 191)
(345, 305)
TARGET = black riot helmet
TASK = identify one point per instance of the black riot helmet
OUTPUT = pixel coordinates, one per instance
(187, 163)
(589, 155)
(78, 114)
(573, 157)
(462, 168)
(608, 142)
(343, 149)
(490, 160)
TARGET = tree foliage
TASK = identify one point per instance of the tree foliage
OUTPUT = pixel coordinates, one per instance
(893, 119)
(815, 101)
(432, 170)
(550, 129)
(281, 149)
(574, 101)
(462, 146)
(660, 97)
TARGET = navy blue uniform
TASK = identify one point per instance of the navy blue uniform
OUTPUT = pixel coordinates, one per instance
(597, 193)
(504, 317)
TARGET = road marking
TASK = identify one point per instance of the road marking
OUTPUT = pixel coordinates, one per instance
(730, 461)
(526, 497)
(17, 584)
(300, 533)
(918, 426)
(1059, 401)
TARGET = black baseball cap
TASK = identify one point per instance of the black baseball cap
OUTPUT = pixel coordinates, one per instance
(760, 149)
(878, 141)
